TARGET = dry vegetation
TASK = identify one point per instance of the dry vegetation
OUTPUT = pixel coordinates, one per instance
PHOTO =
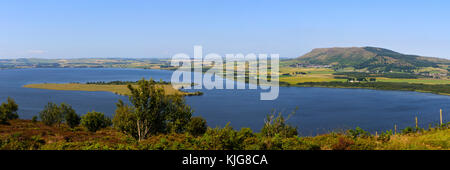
(28, 135)
(117, 89)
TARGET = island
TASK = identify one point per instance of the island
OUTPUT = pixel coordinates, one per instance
(116, 87)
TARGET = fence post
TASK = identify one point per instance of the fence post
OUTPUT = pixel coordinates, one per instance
(417, 123)
(441, 116)
(395, 129)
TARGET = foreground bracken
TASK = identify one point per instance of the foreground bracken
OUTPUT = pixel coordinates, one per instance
(29, 135)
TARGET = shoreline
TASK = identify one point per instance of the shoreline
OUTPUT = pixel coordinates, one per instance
(116, 89)
(281, 84)
(342, 87)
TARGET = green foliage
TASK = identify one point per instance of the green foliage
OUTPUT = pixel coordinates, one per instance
(18, 141)
(385, 136)
(197, 126)
(409, 130)
(34, 119)
(343, 144)
(277, 126)
(368, 58)
(51, 114)
(94, 121)
(222, 138)
(8, 111)
(125, 119)
(71, 117)
(157, 112)
(358, 133)
(54, 114)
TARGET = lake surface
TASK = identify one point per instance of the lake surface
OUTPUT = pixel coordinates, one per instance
(320, 110)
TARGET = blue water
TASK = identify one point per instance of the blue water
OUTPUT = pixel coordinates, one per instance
(320, 110)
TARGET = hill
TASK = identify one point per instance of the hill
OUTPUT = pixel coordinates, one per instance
(370, 58)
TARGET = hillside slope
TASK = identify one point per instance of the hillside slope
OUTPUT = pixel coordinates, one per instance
(371, 58)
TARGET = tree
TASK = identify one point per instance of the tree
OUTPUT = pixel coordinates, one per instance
(94, 121)
(125, 119)
(71, 117)
(197, 126)
(51, 114)
(156, 112)
(8, 111)
(277, 126)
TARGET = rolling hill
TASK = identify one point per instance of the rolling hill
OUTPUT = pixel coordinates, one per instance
(370, 58)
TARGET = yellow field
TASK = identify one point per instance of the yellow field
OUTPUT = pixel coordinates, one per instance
(422, 81)
(117, 89)
(326, 75)
(308, 78)
(429, 140)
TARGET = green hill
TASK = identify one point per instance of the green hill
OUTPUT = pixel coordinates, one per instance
(370, 58)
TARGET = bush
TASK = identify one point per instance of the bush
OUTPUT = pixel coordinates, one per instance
(125, 120)
(409, 130)
(94, 121)
(385, 136)
(277, 126)
(8, 111)
(34, 119)
(54, 114)
(18, 141)
(197, 126)
(157, 112)
(72, 119)
(221, 138)
(358, 132)
(343, 144)
(51, 114)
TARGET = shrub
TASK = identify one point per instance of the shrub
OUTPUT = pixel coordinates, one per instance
(385, 136)
(343, 144)
(94, 121)
(51, 114)
(72, 119)
(221, 138)
(197, 126)
(125, 120)
(54, 114)
(157, 112)
(34, 119)
(18, 141)
(409, 130)
(277, 126)
(358, 132)
(8, 111)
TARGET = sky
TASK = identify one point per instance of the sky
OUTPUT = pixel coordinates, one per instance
(145, 28)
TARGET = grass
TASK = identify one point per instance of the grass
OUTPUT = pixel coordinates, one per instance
(422, 81)
(28, 135)
(312, 75)
(117, 89)
(308, 78)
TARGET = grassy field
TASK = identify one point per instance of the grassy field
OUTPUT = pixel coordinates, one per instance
(326, 75)
(311, 75)
(423, 81)
(117, 89)
(28, 135)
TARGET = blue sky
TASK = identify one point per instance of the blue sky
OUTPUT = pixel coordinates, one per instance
(133, 28)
